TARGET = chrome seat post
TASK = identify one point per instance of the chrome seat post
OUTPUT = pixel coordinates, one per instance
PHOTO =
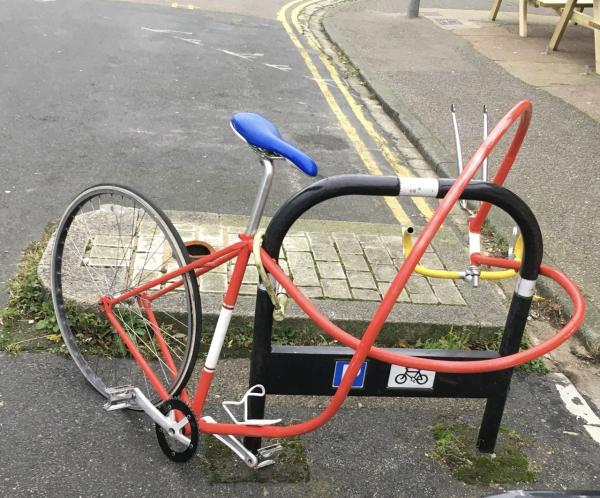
(261, 197)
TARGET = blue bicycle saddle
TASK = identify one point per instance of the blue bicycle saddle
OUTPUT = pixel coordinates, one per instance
(260, 132)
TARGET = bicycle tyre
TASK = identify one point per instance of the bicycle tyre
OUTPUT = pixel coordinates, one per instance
(401, 378)
(109, 240)
(422, 379)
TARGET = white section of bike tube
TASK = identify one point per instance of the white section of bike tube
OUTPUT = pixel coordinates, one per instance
(419, 187)
(474, 243)
(525, 288)
(218, 338)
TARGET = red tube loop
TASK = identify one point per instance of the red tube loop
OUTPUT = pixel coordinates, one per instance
(365, 346)
(524, 108)
(474, 366)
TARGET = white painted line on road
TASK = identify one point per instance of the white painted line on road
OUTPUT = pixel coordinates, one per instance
(325, 81)
(575, 403)
(248, 57)
(188, 6)
(138, 130)
(167, 31)
(284, 68)
(593, 431)
(194, 41)
(578, 406)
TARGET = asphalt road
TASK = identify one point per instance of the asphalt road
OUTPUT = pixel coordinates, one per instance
(58, 441)
(141, 95)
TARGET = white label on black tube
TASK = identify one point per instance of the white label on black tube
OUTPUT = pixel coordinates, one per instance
(525, 288)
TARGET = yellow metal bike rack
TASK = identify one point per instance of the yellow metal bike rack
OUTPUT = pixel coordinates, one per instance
(454, 275)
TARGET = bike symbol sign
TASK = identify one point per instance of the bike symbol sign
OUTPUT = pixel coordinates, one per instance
(410, 378)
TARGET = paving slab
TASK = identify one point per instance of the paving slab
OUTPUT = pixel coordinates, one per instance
(363, 259)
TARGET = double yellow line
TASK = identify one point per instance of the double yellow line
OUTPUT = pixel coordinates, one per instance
(345, 123)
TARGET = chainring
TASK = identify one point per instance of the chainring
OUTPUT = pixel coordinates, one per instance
(165, 440)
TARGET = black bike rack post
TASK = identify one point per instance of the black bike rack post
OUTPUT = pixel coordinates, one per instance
(308, 370)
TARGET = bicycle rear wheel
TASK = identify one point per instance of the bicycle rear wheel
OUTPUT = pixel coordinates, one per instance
(111, 240)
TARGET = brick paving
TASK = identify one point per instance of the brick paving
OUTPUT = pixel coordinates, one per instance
(346, 267)
(333, 265)
(338, 265)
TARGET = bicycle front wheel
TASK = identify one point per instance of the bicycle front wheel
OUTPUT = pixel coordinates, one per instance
(112, 240)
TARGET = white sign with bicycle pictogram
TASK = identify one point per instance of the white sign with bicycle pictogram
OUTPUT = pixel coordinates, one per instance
(410, 378)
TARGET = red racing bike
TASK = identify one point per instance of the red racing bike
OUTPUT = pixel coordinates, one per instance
(126, 293)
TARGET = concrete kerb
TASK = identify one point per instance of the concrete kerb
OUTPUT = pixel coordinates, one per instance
(481, 311)
(590, 331)
(443, 161)
(432, 150)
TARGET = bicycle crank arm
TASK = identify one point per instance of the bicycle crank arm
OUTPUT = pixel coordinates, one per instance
(129, 396)
(250, 459)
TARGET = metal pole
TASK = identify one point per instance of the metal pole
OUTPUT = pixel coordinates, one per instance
(259, 360)
(413, 8)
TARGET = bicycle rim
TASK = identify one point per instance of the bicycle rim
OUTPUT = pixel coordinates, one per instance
(111, 240)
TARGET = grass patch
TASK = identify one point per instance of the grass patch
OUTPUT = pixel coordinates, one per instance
(508, 465)
(28, 321)
(28, 299)
(454, 339)
(535, 366)
(495, 242)
(222, 466)
(238, 342)
(464, 339)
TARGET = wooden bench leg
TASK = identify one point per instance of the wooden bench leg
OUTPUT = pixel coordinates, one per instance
(559, 31)
(494, 10)
(523, 18)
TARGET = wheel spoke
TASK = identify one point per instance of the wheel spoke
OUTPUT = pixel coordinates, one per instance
(125, 242)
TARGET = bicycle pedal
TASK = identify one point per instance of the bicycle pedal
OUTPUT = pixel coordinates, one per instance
(260, 460)
(235, 445)
(270, 451)
(119, 397)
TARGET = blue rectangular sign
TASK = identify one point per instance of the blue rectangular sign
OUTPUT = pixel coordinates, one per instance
(340, 369)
